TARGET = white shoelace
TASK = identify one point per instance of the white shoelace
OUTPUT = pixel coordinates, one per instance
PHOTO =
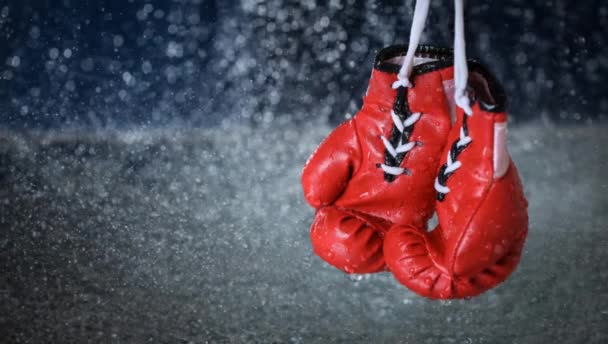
(402, 147)
(461, 72)
(452, 166)
(461, 75)
(421, 11)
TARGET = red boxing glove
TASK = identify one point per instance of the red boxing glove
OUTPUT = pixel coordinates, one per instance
(378, 168)
(378, 178)
(482, 211)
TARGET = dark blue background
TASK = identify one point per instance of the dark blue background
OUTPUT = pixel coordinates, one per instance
(201, 62)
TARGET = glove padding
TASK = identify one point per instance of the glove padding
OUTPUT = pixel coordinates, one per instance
(481, 208)
(345, 179)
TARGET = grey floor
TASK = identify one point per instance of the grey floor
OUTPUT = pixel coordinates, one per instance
(202, 236)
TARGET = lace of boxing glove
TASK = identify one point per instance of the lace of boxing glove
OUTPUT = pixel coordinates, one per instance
(398, 144)
(481, 207)
(461, 99)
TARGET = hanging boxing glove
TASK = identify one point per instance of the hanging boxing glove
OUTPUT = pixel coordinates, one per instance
(481, 208)
(480, 205)
(378, 168)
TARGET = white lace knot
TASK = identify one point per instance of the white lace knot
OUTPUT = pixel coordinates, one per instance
(401, 147)
(395, 171)
(440, 188)
(464, 139)
(401, 82)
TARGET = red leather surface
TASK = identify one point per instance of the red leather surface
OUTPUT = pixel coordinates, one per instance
(343, 170)
(364, 224)
(349, 241)
(328, 171)
(482, 227)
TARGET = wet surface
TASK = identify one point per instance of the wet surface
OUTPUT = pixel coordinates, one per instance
(194, 236)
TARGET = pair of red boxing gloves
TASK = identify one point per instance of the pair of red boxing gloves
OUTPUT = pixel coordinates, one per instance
(410, 152)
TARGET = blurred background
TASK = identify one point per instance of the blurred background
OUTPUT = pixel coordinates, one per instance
(115, 63)
(150, 160)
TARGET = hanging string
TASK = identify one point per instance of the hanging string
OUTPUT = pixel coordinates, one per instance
(461, 72)
(421, 11)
